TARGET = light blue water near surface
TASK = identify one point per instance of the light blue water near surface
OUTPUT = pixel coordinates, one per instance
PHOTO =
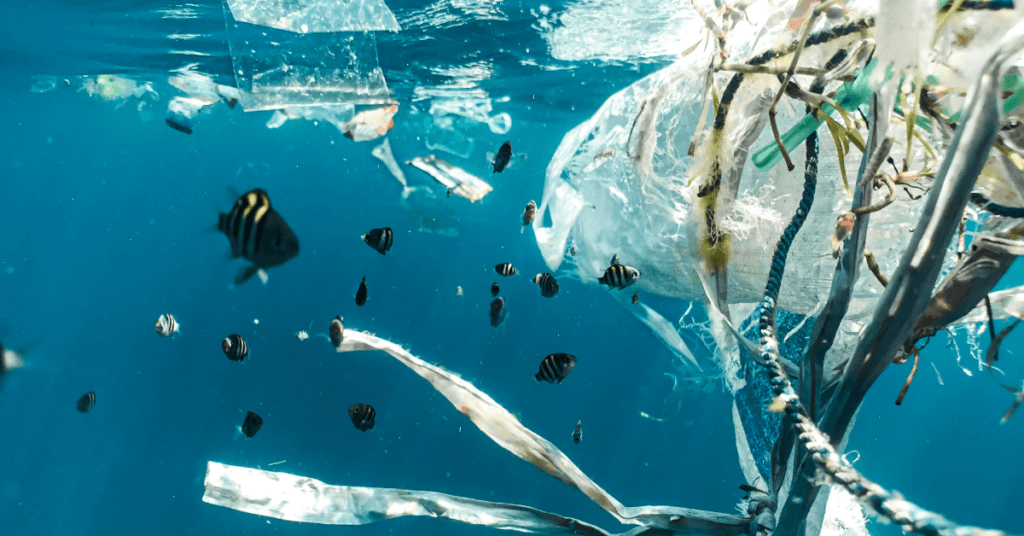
(105, 216)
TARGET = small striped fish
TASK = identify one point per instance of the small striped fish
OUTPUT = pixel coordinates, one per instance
(363, 416)
(547, 283)
(86, 402)
(166, 325)
(577, 433)
(258, 234)
(619, 276)
(555, 368)
(495, 289)
(506, 269)
(234, 347)
(501, 160)
(379, 239)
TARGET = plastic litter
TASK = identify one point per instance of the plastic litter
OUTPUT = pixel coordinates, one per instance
(118, 89)
(370, 124)
(457, 180)
(316, 16)
(276, 68)
(431, 212)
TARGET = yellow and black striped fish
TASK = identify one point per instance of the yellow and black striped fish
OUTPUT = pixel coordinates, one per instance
(258, 234)
(506, 269)
(166, 325)
(619, 276)
(86, 402)
(363, 416)
(379, 239)
(555, 368)
(234, 347)
(547, 283)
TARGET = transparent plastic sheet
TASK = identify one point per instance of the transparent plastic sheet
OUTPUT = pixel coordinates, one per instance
(316, 16)
(295, 498)
(505, 430)
(459, 181)
(338, 115)
(277, 68)
(1005, 304)
(431, 212)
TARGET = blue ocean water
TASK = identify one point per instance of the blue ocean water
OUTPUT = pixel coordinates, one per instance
(107, 214)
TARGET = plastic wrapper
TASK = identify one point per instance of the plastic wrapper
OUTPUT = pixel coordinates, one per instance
(457, 180)
(427, 208)
(277, 68)
(316, 16)
(371, 124)
(117, 89)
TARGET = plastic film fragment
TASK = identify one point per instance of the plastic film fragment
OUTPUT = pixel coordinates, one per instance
(316, 16)
(295, 498)
(505, 430)
(456, 179)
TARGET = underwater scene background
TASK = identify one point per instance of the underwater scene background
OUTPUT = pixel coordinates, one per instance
(108, 221)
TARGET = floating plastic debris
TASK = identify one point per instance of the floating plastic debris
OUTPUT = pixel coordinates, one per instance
(316, 16)
(119, 89)
(457, 180)
(371, 124)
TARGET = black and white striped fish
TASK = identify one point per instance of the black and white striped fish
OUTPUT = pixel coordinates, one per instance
(363, 416)
(167, 326)
(577, 433)
(506, 269)
(497, 312)
(234, 347)
(619, 276)
(547, 283)
(555, 368)
(258, 234)
(361, 293)
(379, 239)
(86, 402)
(528, 214)
(495, 289)
(337, 332)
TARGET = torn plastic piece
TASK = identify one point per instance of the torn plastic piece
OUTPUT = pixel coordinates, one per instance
(505, 429)
(1005, 303)
(662, 329)
(431, 212)
(111, 87)
(383, 153)
(338, 115)
(456, 179)
(316, 16)
(181, 111)
(276, 68)
(202, 87)
(371, 124)
(294, 498)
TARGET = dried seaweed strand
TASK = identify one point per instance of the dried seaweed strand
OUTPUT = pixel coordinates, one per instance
(910, 378)
(873, 266)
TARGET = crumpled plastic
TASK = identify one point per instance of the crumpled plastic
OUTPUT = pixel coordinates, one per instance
(275, 68)
(118, 89)
(316, 16)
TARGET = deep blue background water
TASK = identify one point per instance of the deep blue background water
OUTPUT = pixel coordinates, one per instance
(105, 221)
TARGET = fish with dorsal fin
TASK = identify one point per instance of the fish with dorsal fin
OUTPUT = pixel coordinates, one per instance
(258, 234)
(529, 213)
(380, 239)
(501, 160)
(547, 283)
(363, 416)
(577, 433)
(497, 312)
(234, 347)
(619, 276)
(555, 367)
(166, 325)
(506, 269)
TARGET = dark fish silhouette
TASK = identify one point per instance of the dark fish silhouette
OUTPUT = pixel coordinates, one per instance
(619, 276)
(497, 312)
(636, 298)
(547, 283)
(379, 239)
(495, 289)
(337, 331)
(166, 325)
(577, 433)
(361, 293)
(363, 416)
(86, 402)
(258, 234)
(234, 347)
(252, 424)
(555, 367)
(506, 269)
(502, 158)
